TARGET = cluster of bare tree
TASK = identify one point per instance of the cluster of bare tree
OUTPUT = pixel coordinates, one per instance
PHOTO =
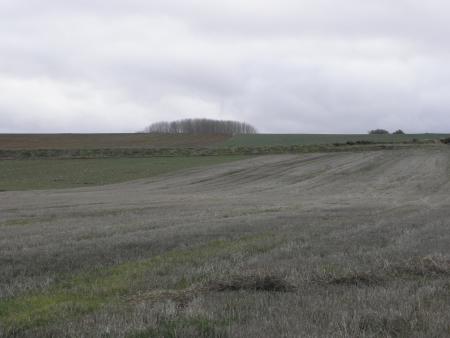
(201, 126)
(384, 131)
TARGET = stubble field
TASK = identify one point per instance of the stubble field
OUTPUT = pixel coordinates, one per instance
(336, 245)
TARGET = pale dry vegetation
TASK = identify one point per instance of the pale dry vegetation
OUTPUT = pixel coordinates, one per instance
(317, 245)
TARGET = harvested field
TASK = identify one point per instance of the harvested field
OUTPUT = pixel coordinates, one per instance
(335, 245)
(98, 141)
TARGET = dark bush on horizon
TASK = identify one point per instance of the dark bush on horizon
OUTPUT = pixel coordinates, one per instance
(378, 132)
(399, 132)
(201, 126)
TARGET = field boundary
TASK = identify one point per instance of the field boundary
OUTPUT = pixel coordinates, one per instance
(172, 152)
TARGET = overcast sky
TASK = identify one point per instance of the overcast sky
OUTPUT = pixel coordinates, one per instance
(307, 66)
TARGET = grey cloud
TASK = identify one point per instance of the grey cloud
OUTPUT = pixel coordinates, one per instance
(285, 66)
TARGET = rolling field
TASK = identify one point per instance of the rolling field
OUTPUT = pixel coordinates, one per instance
(312, 245)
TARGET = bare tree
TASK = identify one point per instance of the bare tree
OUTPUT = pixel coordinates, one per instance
(201, 126)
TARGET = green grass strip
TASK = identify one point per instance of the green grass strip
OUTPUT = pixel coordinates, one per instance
(89, 292)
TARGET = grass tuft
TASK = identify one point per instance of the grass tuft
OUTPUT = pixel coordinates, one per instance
(391, 327)
(428, 266)
(184, 327)
(359, 279)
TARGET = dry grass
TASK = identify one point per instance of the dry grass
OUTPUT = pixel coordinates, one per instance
(354, 245)
(428, 266)
(351, 279)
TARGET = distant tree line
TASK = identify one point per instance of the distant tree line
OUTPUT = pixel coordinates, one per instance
(384, 131)
(201, 126)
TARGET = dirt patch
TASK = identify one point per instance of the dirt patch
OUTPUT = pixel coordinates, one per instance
(270, 283)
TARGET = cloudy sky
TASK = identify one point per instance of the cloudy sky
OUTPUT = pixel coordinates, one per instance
(308, 66)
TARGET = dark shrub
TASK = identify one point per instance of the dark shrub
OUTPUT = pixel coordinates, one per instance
(399, 132)
(378, 132)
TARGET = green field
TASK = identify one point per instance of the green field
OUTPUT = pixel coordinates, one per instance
(181, 141)
(49, 174)
(310, 139)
